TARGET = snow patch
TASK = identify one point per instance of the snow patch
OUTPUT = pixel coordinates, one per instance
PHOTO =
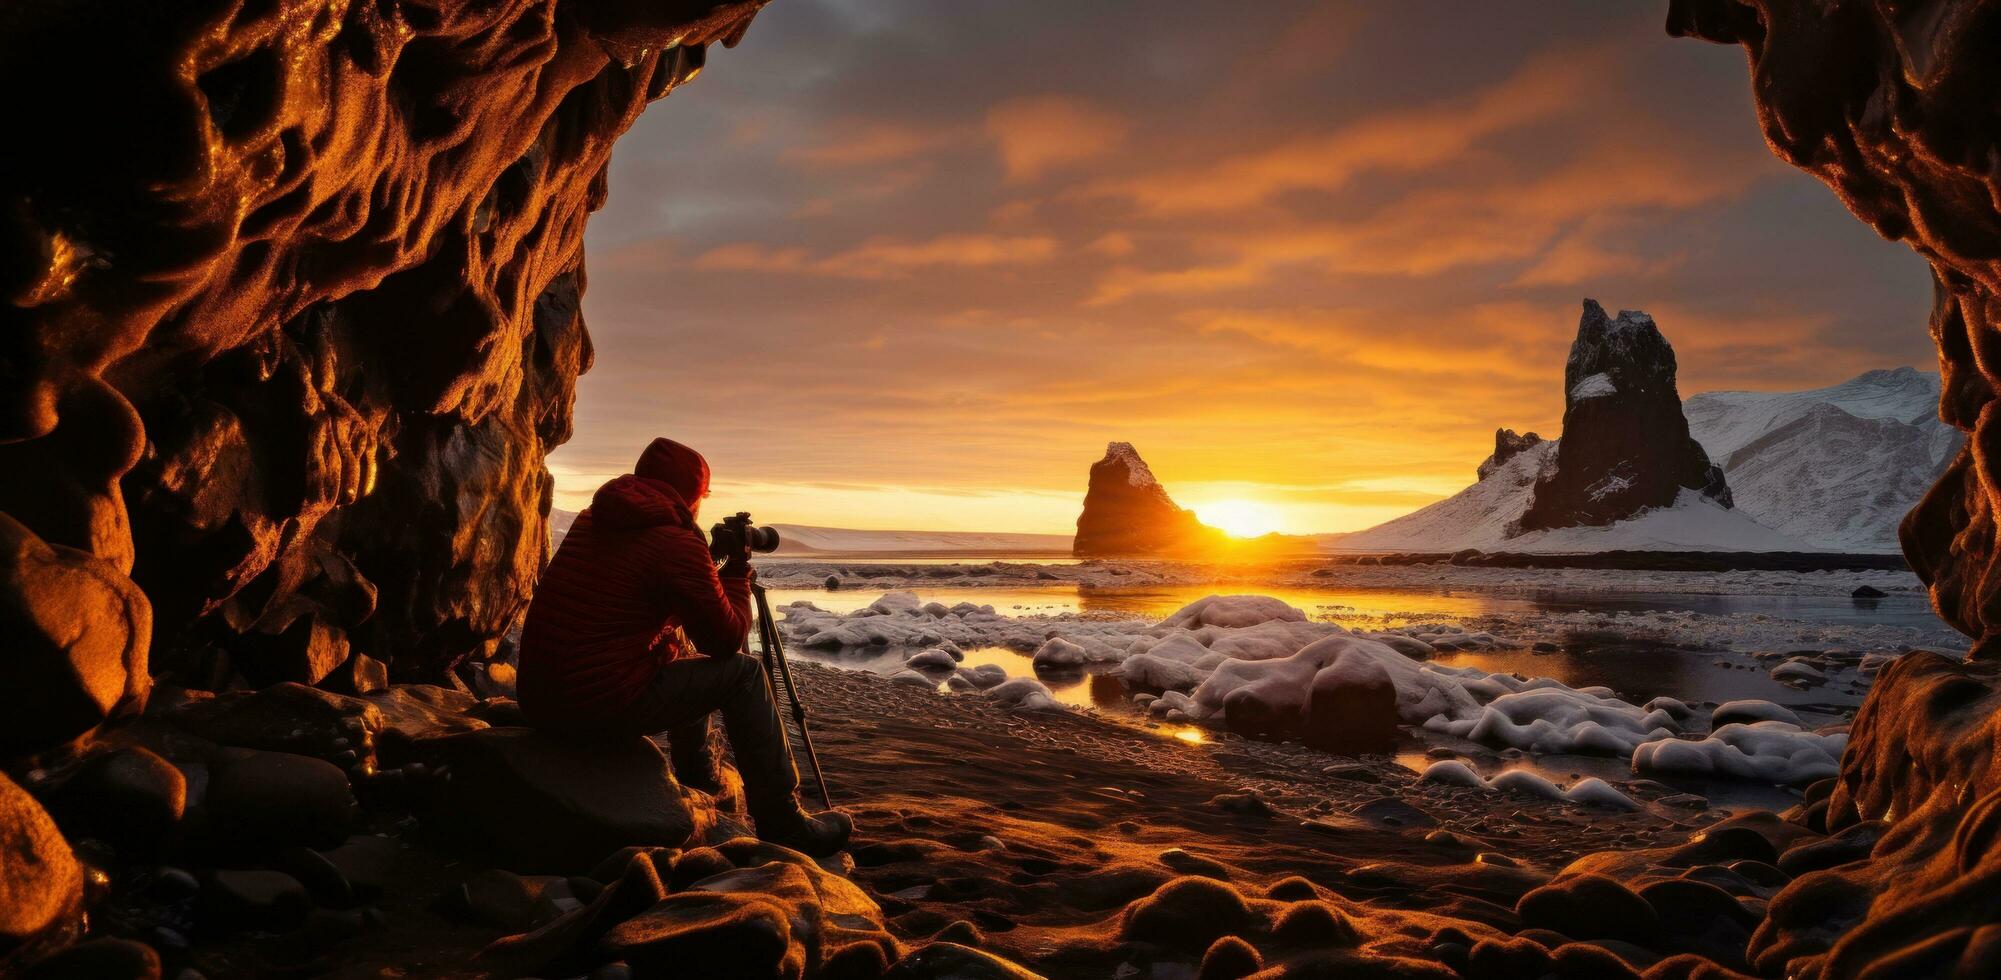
(1596, 386)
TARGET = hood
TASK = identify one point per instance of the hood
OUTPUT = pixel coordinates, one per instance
(677, 466)
(632, 501)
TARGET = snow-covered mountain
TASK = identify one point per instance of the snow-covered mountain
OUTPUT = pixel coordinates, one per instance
(1837, 467)
(1483, 516)
(1830, 469)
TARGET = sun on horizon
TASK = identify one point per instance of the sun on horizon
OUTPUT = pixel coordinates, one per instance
(1240, 518)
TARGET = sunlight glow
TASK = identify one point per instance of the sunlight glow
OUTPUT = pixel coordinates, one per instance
(1191, 735)
(1240, 518)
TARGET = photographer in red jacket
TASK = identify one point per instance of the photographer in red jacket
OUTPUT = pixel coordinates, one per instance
(633, 630)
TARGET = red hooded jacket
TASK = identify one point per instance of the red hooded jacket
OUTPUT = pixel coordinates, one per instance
(631, 588)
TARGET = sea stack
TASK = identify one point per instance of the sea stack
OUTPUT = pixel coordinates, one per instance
(1625, 445)
(1127, 512)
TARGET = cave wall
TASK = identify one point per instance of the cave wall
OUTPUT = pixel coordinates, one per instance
(1893, 104)
(291, 319)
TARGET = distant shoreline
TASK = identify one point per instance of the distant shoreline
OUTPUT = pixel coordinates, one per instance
(1679, 561)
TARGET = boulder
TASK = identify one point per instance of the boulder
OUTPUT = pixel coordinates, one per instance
(288, 717)
(1590, 906)
(128, 797)
(254, 900)
(100, 959)
(1187, 914)
(1351, 707)
(74, 631)
(741, 909)
(261, 802)
(41, 884)
(537, 804)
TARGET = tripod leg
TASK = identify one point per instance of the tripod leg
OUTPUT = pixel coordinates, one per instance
(774, 652)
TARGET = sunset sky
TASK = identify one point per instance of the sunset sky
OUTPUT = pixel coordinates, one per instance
(911, 263)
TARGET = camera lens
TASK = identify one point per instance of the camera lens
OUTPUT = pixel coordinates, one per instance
(762, 539)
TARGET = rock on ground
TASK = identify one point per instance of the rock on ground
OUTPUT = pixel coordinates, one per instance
(534, 803)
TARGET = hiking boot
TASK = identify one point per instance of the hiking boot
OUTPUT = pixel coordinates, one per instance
(692, 753)
(816, 835)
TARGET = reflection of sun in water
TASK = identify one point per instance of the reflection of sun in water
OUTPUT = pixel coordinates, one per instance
(1191, 735)
(1239, 518)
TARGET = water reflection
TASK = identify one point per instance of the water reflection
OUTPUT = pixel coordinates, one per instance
(1378, 607)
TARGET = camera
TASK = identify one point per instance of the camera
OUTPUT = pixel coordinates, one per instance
(737, 537)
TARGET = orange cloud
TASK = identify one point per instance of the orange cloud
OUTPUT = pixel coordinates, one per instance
(882, 258)
(858, 142)
(1041, 133)
(1400, 141)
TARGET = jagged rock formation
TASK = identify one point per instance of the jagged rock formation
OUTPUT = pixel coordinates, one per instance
(1625, 475)
(1128, 512)
(1890, 104)
(1507, 445)
(292, 314)
(1625, 445)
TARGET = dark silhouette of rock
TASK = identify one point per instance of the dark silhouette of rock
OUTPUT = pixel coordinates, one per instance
(1128, 512)
(1867, 592)
(1507, 444)
(100, 959)
(536, 804)
(1590, 906)
(1890, 105)
(293, 314)
(128, 797)
(1625, 445)
(260, 802)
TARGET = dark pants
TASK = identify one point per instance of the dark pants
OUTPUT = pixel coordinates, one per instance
(680, 699)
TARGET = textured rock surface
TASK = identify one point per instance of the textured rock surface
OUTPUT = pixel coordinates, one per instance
(291, 316)
(74, 630)
(1128, 512)
(1891, 105)
(41, 885)
(1507, 445)
(1625, 445)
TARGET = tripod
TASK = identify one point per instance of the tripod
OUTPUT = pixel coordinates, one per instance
(779, 674)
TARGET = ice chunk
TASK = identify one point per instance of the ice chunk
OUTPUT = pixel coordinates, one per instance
(936, 658)
(1024, 692)
(1059, 652)
(1233, 611)
(912, 678)
(1553, 718)
(1752, 710)
(1798, 673)
(1771, 751)
(1595, 792)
